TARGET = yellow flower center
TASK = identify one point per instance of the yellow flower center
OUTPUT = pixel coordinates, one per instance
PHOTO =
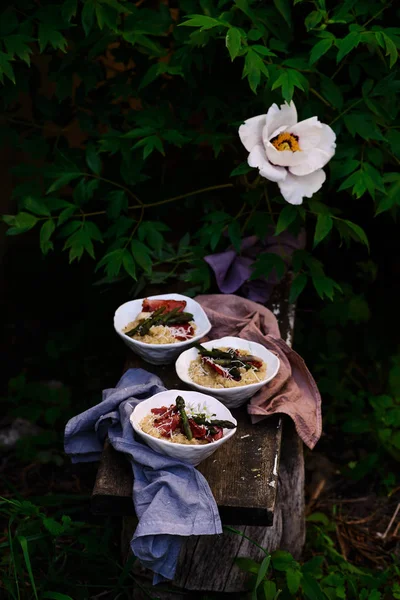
(286, 141)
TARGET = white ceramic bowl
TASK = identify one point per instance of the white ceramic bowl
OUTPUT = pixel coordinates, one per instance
(159, 354)
(235, 396)
(185, 452)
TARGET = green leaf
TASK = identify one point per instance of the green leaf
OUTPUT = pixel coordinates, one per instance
(92, 159)
(262, 571)
(21, 223)
(48, 35)
(5, 67)
(363, 125)
(63, 180)
(287, 215)
(298, 285)
(149, 144)
(282, 560)
(360, 233)
(36, 206)
(139, 132)
(242, 169)
(203, 22)
(155, 240)
(347, 44)
(331, 92)
(53, 526)
(93, 231)
(117, 202)
(391, 50)
(313, 566)
(112, 262)
(284, 9)
(66, 213)
(84, 191)
(318, 517)
(46, 231)
(392, 197)
(233, 42)
(18, 45)
(265, 263)
(80, 241)
(25, 551)
(247, 564)
(293, 579)
(70, 228)
(269, 590)
(235, 235)
(253, 67)
(151, 75)
(311, 588)
(325, 286)
(313, 19)
(322, 228)
(129, 264)
(68, 10)
(288, 80)
(141, 255)
(175, 137)
(320, 49)
(88, 16)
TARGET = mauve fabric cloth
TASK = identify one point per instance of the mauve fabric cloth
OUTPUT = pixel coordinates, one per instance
(293, 391)
(233, 270)
(171, 498)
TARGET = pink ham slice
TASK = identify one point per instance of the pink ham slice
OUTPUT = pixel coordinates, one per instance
(152, 305)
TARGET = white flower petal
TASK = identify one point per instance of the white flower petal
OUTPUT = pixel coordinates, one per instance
(274, 133)
(283, 158)
(317, 157)
(257, 158)
(277, 117)
(313, 160)
(328, 139)
(250, 132)
(309, 133)
(294, 188)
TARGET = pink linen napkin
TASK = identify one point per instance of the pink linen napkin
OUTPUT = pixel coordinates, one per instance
(293, 391)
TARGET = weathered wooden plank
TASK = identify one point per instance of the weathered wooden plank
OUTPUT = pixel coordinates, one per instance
(242, 475)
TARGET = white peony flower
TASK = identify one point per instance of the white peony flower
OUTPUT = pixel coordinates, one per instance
(290, 153)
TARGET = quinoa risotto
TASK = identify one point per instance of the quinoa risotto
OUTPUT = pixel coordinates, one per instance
(162, 322)
(180, 424)
(214, 372)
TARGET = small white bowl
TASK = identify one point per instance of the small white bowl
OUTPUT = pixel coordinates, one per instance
(185, 452)
(235, 396)
(160, 354)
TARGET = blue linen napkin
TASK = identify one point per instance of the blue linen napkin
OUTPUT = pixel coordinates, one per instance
(171, 498)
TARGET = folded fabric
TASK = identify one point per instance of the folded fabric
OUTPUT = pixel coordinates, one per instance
(233, 270)
(171, 498)
(293, 391)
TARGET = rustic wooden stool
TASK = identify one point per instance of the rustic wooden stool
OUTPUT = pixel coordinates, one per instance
(257, 482)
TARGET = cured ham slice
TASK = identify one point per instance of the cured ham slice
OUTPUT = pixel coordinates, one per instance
(153, 305)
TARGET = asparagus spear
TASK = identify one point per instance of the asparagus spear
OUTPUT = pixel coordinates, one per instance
(215, 353)
(160, 317)
(180, 405)
(180, 317)
(201, 420)
(230, 358)
(145, 324)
